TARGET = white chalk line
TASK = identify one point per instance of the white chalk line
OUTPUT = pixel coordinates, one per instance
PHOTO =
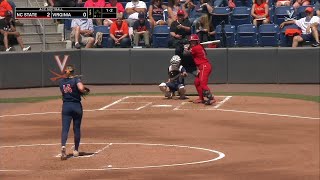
(115, 102)
(147, 104)
(220, 155)
(177, 108)
(12, 170)
(222, 102)
(91, 155)
(180, 105)
(268, 114)
(162, 105)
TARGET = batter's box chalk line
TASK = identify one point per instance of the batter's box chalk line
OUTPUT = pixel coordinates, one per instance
(121, 101)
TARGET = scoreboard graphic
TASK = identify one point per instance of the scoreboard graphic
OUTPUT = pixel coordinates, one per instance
(65, 13)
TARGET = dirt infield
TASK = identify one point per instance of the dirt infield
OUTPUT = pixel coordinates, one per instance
(149, 137)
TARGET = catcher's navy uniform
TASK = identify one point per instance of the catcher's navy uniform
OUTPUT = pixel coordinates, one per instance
(176, 79)
(71, 109)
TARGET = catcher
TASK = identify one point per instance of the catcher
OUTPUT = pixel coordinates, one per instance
(175, 83)
(72, 89)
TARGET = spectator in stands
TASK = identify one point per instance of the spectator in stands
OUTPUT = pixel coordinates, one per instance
(119, 33)
(156, 14)
(120, 9)
(66, 3)
(220, 3)
(309, 32)
(82, 32)
(179, 30)
(299, 3)
(196, 11)
(47, 3)
(4, 7)
(317, 7)
(13, 6)
(133, 8)
(260, 12)
(204, 29)
(9, 34)
(193, 10)
(173, 7)
(93, 4)
(283, 3)
(141, 29)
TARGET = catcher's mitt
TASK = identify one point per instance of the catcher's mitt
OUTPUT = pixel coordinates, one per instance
(86, 92)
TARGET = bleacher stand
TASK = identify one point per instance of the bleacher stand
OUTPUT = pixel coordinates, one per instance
(243, 3)
(160, 36)
(230, 35)
(241, 15)
(283, 13)
(247, 35)
(105, 30)
(221, 14)
(268, 35)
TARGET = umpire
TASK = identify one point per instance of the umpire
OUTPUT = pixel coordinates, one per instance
(72, 89)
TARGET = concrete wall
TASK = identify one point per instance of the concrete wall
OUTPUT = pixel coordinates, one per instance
(149, 66)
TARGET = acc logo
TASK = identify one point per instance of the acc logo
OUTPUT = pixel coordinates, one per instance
(61, 65)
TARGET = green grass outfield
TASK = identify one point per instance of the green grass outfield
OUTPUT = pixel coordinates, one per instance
(276, 95)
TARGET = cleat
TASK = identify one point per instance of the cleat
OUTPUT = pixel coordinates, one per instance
(183, 97)
(210, 102)
(63, 153)
(75, 153)
(168, 95)
(198, 101)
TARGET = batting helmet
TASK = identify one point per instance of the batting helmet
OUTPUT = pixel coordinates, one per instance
(69, 69)
(194, 37)
(175, 60)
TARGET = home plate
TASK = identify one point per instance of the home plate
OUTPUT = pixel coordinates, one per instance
(162, 105)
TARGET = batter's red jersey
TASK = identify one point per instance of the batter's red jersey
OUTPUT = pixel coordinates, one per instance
(199, 55)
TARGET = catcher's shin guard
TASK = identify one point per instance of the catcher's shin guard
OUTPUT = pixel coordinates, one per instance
(207, 94)
(182, 91)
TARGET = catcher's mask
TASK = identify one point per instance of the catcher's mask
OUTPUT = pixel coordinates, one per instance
(69, 69)
(175, 60)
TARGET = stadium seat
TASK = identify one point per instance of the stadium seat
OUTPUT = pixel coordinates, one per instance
(300, 11)
(241, 15)
(243, 3)
(271, 14)
(282, 13)
(284, 41)
(268, 35)
(271, 3)
(247, 35)
(106, 34)
(160, 36)
(230, 34)
(67, 29)
(221, 14)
